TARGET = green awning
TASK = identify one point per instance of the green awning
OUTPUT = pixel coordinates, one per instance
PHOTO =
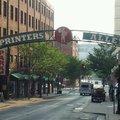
(48, 78)
(31, 77)
(35, 77)
(45, 78)
(27, 77)
(20, 76)
(17, 75)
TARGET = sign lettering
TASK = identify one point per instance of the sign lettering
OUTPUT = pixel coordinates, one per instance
(114, 39)
(22, 38)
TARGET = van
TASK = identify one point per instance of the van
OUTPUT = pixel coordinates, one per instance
(98, 94)
(86, 88)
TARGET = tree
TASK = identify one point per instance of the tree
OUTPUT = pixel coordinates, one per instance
(102, 60)
(76, 69)
(44, 59)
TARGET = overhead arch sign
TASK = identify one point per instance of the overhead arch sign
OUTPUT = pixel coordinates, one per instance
(22, 38)
(114, 39)
(62, 35)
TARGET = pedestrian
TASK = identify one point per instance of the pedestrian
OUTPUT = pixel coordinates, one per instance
(111, 93)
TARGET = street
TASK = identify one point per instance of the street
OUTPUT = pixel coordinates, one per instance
(65, 107)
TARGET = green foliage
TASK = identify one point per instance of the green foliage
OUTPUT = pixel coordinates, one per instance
(72, 68)
(44, 59)
(116, 71)
(76, 69)
(102, 60)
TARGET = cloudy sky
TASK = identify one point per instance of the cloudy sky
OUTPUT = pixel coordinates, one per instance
(92, 15)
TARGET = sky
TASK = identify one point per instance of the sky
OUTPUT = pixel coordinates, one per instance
(91, 15)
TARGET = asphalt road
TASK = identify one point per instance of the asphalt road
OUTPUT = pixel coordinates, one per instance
(66, 107)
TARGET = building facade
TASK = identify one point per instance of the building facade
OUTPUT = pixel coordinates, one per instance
(117, 18)
(70, 49)
(18, 16)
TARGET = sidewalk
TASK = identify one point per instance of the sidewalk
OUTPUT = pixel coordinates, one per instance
(105, 108)
(25, 101)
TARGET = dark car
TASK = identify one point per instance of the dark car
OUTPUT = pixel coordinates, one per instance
(98, 94)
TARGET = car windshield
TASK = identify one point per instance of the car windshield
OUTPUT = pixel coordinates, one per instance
(84, 86)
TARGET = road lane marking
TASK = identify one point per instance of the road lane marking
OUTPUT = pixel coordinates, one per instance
(33, 111)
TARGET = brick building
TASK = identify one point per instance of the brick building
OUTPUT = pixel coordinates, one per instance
(18, 16)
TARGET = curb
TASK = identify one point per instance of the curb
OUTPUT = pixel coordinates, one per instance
(21, 102)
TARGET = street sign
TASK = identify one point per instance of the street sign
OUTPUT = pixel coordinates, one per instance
(22, 38)
(114, 39)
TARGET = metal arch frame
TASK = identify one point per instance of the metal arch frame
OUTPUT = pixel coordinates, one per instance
(41, 36)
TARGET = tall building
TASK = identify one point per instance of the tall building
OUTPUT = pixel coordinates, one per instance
(70, 49)
(18, 16)
(117, 18)
(117, 22)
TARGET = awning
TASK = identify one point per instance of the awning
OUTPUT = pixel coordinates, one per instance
(45, 78)
(26, 77)
(20, 76)
(31, 77)
(17, 75)
(35, 77)
(48, 78)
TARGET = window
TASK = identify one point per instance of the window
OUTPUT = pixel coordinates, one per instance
(11, 58)
(36, 5)
(30, 3)
(0, 6)
(29, 20)
(32, 22)
(11, 12)
(42, 9)
(21, 62)
(16, 14)
(39, 6)
(41, 25)
(4, 31)
(16, 58)
(25, 1)
(52, 16)
(16, 32)
(25, 18)
(21, 17)
(11, 32)
(36, 24)
(44, 27)
(5, 9)
(0, 31)
(33, 3)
